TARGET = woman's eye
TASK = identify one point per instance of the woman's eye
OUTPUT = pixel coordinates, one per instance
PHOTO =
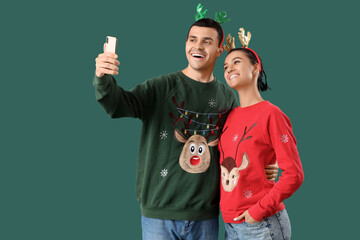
(236, 62)
(225, 68)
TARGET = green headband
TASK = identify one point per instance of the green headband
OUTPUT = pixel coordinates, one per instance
(220, 17)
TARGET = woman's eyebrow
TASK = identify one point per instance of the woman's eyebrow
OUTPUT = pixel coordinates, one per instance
(234, 59)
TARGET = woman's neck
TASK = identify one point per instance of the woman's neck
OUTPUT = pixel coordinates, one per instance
(249, 96)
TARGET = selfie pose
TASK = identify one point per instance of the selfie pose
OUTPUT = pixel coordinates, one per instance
(254, 135)
(182, 115)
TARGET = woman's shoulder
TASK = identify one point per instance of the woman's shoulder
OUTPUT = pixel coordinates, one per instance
(271, 109)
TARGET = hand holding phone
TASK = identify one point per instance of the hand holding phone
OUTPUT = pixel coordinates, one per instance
(107, 63)
(111, 43)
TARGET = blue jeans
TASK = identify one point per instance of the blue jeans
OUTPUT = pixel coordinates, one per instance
(276, 227)
(159, 229)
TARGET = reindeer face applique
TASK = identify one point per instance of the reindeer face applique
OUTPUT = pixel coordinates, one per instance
(195, 156)
(230, 173)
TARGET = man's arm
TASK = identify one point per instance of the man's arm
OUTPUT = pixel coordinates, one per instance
(115, 100)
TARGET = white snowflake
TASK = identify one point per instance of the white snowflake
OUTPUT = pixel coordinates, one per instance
(284, 138)
(164, 172)
(235, 137)
(163, 135)
(248, 194)
(212, 102)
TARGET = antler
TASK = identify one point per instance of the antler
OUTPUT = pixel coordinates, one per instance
(245, 40)
(243, 139)
(221, 17)
(182, 119)
(200, 14)
(231, 42)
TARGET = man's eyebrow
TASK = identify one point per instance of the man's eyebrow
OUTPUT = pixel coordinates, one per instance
(208, 38)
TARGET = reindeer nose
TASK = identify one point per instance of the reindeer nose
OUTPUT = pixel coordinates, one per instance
(227, 182)
(195, 160)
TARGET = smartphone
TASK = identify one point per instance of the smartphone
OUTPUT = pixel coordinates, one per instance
(111, 43)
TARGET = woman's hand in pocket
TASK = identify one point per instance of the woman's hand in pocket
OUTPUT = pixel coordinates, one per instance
(247, 218)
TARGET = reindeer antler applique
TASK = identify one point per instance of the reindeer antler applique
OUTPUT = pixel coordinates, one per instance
(245, 40)
(230, 173)
(195, 156)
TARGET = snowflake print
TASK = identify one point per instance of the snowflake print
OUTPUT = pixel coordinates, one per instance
(235, 137)
(212, 102)
(248, 194)
(284, 138)
(163, 135)
(164, 172)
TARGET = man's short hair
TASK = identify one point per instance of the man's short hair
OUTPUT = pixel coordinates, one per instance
(207, 22)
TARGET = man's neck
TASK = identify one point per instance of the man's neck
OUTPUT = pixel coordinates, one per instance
(205, 76)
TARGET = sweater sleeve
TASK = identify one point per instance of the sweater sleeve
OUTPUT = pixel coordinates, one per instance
(280, 135)
(120, 103)
(234, 101)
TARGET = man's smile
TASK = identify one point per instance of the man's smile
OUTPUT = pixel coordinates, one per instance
(197, 55)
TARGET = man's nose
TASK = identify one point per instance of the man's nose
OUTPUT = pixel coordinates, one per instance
(199, 45)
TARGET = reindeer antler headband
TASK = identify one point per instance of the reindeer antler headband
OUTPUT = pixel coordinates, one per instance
(220, 17)
(245, 40)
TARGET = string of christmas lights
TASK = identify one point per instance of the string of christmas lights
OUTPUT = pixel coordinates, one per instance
(198, 113)
(184, 113)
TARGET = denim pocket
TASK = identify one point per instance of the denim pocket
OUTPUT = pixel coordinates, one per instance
(258, 224)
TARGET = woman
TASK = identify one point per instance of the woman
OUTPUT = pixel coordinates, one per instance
(255, 134)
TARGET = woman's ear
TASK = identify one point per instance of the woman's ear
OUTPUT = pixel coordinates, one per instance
(256, 68)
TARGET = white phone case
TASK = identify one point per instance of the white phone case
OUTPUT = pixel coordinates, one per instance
(111, 43)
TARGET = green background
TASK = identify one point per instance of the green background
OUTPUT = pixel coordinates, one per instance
(68, 171)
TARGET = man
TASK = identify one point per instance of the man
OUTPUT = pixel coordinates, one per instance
(177, 180)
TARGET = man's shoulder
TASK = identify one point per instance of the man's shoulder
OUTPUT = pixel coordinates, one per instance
(164, 79)
(226, 89)
(168, 76)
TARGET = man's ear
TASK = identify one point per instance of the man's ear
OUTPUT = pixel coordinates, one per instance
(220, 50)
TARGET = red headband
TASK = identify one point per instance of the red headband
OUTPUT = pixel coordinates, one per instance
(257, 57)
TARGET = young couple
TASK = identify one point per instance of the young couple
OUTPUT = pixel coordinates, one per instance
(188, 154)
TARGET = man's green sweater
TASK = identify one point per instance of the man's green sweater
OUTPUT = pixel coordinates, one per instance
(178, 170)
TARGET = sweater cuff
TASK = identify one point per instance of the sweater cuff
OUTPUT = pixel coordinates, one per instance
(102, 82)
(256, 212)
